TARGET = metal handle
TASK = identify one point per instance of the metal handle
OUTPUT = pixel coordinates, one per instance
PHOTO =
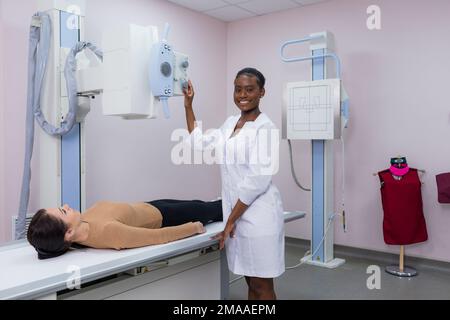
(166, 32)
(297, 59)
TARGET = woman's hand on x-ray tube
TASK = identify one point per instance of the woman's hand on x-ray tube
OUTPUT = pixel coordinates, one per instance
(188, 95)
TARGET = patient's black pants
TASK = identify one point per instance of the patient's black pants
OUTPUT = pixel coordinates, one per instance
(176, 212)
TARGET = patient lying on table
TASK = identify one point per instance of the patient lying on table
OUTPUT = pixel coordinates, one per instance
(119, 225)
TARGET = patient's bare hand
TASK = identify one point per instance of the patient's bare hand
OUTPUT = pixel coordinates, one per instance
(200, 227)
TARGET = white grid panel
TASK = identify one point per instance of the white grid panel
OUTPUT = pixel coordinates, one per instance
(232, 10)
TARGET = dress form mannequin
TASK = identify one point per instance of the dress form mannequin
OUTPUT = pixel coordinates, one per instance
(399, 168)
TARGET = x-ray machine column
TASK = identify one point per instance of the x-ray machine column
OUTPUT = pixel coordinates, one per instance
(323, 173)
(61, 159)
(312, 111)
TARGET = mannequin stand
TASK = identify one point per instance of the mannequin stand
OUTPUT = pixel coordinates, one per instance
(401, 270)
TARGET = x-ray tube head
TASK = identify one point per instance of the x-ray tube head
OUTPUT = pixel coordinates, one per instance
(139, 70)
(126, 61)
(162, 60)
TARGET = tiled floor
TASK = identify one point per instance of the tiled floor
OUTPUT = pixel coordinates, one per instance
(350, 281)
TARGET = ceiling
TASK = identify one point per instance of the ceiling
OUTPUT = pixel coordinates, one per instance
(233, 10)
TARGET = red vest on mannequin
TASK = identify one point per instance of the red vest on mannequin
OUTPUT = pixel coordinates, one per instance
(403, 222)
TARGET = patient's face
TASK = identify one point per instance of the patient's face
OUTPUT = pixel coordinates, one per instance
(69, 216)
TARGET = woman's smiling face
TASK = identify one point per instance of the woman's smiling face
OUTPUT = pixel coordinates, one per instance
(247, 93)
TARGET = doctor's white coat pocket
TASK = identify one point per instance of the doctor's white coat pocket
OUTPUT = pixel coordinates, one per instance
(260, 219)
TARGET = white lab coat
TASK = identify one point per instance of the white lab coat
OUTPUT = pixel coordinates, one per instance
(257, 250)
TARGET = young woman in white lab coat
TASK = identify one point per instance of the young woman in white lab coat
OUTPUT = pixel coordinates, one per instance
(254, 231)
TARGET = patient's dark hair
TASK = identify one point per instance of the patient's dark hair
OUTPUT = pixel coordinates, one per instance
(46, 234)
(254, 73)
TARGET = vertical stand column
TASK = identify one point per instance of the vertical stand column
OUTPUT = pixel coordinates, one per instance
(50, 146)
(322, 253)
(60, 158)
(70, 143)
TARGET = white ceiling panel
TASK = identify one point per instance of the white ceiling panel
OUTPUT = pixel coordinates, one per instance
(236, 1)
(306, 2)
(200, 5)
(232, 10)
(261, 7)
(230, 13)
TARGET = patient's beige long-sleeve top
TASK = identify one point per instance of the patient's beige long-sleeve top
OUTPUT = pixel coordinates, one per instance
(130, 225)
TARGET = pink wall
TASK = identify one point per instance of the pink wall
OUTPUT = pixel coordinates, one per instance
(397, 81)
(395, 110)
(2, 129)
(136, 155)
(135, 158)
(14, 46)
